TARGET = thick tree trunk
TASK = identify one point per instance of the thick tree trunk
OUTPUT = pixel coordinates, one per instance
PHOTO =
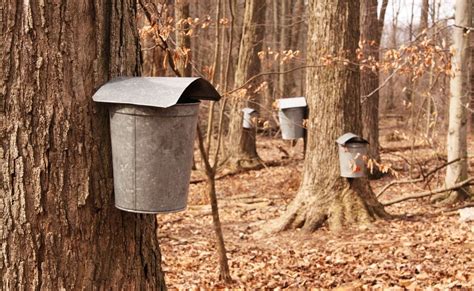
(334, 108)
(371, 32)
(241, 144)
(59, 228)
(471, 70)
(457, 132)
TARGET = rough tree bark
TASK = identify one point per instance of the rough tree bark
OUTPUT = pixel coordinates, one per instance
(293, 81)
(459, 87)
(183, 41)
(241, 143)
(371, 34)
(334, 106)
(471, 70)
(59, 228)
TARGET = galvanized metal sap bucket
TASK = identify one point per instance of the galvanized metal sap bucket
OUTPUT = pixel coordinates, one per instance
(248, 114)
(153, 124)
(291, 116)
(352, 155)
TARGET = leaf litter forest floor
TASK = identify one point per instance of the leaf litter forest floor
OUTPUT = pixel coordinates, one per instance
(426, 247)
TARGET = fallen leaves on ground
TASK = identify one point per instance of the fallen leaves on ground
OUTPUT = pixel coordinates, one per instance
(421, 248)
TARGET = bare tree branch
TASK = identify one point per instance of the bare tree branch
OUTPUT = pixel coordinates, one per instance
(430, 193)
(420, 179)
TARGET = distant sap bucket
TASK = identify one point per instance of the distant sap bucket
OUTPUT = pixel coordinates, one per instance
(291, 116)
(248, 115)
(352, 155)
(153, 124)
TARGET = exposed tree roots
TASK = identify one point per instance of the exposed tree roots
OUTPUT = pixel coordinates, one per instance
(339, 203)
(452, 197)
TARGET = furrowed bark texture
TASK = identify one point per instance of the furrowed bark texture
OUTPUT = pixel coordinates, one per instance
(59, 228)
(371, 32)
(334, 108)
(471, 70)
(183, 41)
(241, 144)
(457, 131)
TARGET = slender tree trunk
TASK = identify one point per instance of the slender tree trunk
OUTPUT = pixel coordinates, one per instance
(334, 108)
(276, 7)
(241, 146)
(409, 81)
(425, 10)
(457, 132)
(59, 228)
(371, 33)
(224, 272)
(285, 41)
(425, 7)
(291, 87)
(183, 41)
(390, 105)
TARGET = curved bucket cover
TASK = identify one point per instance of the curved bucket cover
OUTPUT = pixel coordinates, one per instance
(291, 102)
(350, 137)
(155, 91)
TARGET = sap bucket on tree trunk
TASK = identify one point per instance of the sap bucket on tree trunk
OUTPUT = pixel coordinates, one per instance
(352, 155)
(249, 114)
(153, 124)
(291, 116)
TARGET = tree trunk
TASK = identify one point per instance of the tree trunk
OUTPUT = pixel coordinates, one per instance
(409, 79)
(471, 70)
(390, 105)
(59, 228)
(241, 146)
(183, 41)
(334, 108)
(425, 9)
(293, 79)
(371, 32)
(285, 41)
(457, 132)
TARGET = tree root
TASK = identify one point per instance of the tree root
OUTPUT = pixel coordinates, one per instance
(341, 203)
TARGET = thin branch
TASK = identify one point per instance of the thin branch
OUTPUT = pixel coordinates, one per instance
(219, 135)
(210, 123)
(202, 150)
(270, 73)
(430, 193)
(420, 179)
(384, 83)
(170, 57)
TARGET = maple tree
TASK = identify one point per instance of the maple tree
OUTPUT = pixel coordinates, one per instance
(55, 178)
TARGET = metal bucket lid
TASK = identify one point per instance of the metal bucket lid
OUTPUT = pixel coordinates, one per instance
(161, 92)
(349, 138)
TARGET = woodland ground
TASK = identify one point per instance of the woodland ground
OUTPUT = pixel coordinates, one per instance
(426, 246)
